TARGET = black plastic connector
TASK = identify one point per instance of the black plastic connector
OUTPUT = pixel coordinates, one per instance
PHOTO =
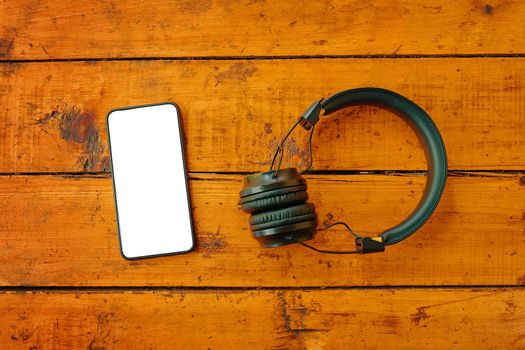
(365, 245)
(311, 116)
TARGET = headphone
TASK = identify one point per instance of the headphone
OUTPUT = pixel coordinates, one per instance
(277, 199)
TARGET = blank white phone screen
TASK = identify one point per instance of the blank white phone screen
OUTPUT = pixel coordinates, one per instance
(149, 178)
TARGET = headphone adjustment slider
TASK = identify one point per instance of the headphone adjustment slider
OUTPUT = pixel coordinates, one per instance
(366, 245)
(311, 116)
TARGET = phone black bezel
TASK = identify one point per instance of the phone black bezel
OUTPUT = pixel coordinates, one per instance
(183, 151)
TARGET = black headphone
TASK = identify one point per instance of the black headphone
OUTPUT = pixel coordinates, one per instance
(277, 199)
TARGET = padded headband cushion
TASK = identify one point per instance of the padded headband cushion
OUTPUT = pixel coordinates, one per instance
(429, 136)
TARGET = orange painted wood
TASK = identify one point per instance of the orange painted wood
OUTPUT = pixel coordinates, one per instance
(291, 319)
(119, 29)
(61, 231)
(52, 115)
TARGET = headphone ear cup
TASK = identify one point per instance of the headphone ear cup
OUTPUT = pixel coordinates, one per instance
(284, 216)
(277, 202)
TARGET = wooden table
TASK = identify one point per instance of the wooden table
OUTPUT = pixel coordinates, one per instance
(241, 73)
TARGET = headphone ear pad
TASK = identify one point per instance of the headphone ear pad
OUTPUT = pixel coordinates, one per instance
(271, 190)
(284, 198)
(284, 226)
(282, 217)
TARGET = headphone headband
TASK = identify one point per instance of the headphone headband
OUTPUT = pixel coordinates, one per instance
(428, 135)
(277, 200)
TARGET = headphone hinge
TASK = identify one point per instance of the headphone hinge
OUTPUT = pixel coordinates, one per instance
(366, 245)
(311, 116)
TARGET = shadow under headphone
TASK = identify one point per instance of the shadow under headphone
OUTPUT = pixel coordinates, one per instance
(277, 199)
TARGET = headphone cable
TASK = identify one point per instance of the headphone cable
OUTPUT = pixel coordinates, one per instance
(334, 251)
(280, 149)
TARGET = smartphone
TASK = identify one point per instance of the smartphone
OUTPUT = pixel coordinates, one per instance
(150, 181)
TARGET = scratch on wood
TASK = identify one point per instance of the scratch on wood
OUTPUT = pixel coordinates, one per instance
(329, 219)
(79, 127)
(393, 53)
(518, 338)
(510, 306)
(465, 299)
(211, 243)
(283, 305)
(268, 128)
(420, 315)
(238, 71)
(102, 332)
(7, 43)
(22, 335)
(296, 327)
(292, 152)
(269, 255)
(321, 42)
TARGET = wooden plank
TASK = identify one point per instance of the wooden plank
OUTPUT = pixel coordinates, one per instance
(52, 115)
(61, 231)
(290, 319)
(101, 29)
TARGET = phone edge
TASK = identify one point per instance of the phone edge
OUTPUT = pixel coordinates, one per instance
(186, 178)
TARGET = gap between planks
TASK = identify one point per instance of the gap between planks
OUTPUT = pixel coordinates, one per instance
(197, 175)
(140, 289)
(260, 58)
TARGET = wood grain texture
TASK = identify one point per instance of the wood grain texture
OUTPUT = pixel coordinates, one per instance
(241, 73)
(330, 319)
(235, 112)
(61, 231)
(109, 29)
